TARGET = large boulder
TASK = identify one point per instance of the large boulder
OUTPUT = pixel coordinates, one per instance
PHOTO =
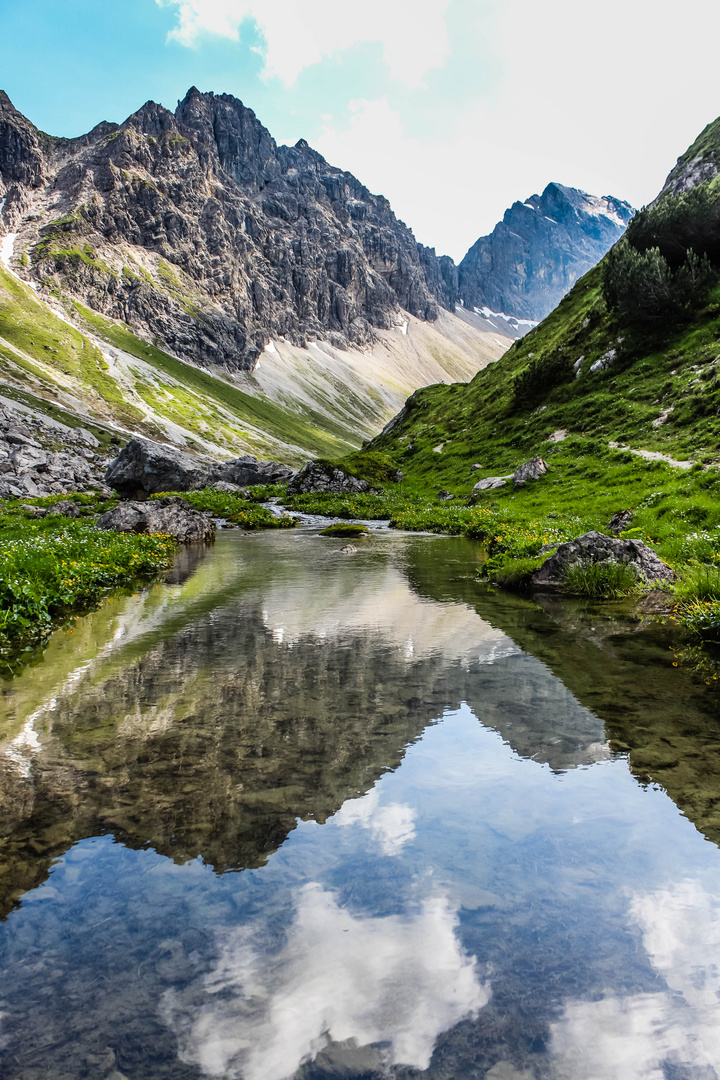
(595, 547)
(529, 470)
(315, 476)
(247, 471)
(171, 515)
(144, 468)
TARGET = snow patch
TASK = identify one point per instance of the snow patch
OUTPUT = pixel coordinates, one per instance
(404, 328)
(488, 313)
(6, 248)
(2, 205)
(270, 347)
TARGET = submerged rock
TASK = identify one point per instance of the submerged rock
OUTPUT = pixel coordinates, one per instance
(315, 476)
(530, 470)
(171, 515)
(595, 547)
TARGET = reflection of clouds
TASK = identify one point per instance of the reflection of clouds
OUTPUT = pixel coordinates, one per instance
(380, 600)
(640, 1036)
(399, 980)
(392, 825)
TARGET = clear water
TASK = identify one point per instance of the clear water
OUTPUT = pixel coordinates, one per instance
(299, 813)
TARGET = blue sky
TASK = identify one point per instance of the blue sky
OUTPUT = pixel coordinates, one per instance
(450, 108)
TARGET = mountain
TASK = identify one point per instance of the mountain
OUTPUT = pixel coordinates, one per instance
(190, 240)
(620, 380)
(538, 251)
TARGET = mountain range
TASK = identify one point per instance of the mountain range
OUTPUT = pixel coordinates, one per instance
(188, 240)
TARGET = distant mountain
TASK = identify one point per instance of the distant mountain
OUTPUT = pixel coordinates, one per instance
(534, 256)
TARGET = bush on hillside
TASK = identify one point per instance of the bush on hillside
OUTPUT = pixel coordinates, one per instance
(676, 224)
(540, 376)
(641, 286)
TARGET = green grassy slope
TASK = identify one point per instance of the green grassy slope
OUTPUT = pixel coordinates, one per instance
(46, 361)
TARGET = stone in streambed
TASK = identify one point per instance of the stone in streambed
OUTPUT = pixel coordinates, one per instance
(172, 516)
(595, 547)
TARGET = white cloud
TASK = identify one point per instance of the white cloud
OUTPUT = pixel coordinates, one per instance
(301, 33)
(392, 825)
(629, 1038)
(399, 980)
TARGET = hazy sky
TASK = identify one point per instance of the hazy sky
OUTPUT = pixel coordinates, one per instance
(451, 108)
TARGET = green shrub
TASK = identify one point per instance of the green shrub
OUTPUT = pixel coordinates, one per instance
(514, 574)
(641, 286)
(601, 580)
(348, 529)
(541, 375)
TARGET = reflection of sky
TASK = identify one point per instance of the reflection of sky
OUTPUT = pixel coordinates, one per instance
(637, 1037)
(398, 980)
(587, 903)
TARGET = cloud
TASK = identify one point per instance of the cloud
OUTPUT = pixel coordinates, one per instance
(635, 1037)
(392, 825)
(301, 33)
(340, 978)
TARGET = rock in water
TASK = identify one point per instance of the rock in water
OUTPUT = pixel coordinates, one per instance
(145, 468)
(172, 516)
(318, 477)
(530, 470)
(595, 547)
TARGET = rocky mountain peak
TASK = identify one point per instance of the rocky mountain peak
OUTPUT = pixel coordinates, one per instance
(196, 228)
(539, 250)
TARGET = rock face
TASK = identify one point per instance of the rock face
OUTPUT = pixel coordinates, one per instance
(539, 250)
(530, 470)
(171, 515)
(318, 477)
(41, 456)
(620, 521)
(197, 228)
(595, 547)
(145, 468)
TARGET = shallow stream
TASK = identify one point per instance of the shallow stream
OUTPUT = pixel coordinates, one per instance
(302, 813)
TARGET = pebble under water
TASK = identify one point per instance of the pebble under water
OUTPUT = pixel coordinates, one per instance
(301, 813)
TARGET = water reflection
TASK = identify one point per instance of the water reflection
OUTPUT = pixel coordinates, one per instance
(381, 988)
(308, 816)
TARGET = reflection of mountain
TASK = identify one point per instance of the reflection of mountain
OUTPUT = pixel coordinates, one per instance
(616, 666)
(214, 731)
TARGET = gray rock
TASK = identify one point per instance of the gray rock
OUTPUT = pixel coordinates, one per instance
(475, 467)
(620, 521)
(34, 511)
(349, 549)
(596, 547)
(247, 471)
(66, 507)
(530, 470)
(606, 361)
(86, 437)
(171, 515)
(445, 496)
(144, 468)
(317, 477)
(490, 483)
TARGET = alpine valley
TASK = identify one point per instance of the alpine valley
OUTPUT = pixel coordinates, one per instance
(182, 277)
